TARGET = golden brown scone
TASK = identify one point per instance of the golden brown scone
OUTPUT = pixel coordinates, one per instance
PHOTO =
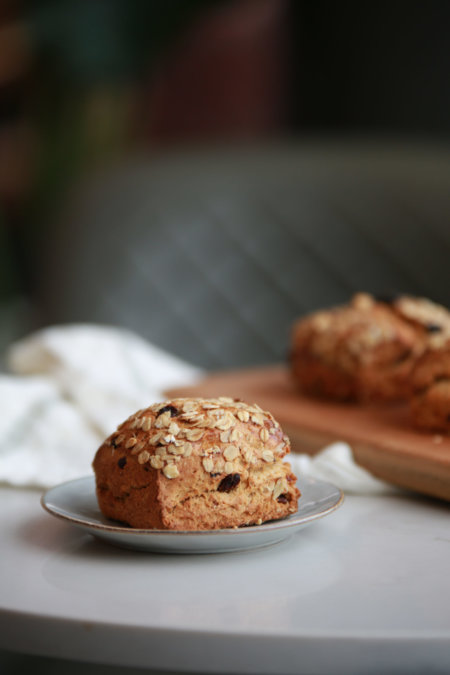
(430, 387)
(364, 351)
(196, 464)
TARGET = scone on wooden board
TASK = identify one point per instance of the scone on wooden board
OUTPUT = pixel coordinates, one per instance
(196, 464)
(365, 350)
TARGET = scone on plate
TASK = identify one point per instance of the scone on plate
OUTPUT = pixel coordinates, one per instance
(196, 464)
(365, 350)
(430, 387)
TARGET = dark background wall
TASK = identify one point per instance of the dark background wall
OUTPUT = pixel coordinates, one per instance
(371, 67)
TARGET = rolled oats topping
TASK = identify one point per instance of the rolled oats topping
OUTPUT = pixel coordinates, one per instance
(226, 421)
(156, 462)
(280, 487)
(227, 400)
(163, 421)
(424, 312)
(231, 452)
(119, 439)
(203, 422)
(235, 435)
(171, 471)
(264, 434)
(229, 467)
(248, 455)
(146, 423)
(243, 415)
(208, 464)
(257, 418)
(194, 434)
(137, 448)
(363, 301)
(218, 430)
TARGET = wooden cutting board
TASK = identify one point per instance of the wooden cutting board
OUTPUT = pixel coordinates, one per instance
(382, 438)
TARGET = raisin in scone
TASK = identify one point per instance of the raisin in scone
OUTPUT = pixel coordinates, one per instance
(196, 464)
(365, 350)
(430, 387)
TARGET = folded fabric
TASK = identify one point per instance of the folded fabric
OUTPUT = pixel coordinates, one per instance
(70, 387)
(44, 439)
(107, 373)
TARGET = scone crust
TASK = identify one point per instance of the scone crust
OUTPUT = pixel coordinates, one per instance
(430, 388)
(196, 464)
(366, 350)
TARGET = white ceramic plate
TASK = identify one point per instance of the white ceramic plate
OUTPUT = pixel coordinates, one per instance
(76, 503)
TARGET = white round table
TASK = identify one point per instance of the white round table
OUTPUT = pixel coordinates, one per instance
(366, 589)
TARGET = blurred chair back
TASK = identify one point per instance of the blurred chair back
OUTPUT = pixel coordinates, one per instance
(212, 255)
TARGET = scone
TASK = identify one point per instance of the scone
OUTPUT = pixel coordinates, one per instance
(196, 464)
(364, 351)
(430, 388)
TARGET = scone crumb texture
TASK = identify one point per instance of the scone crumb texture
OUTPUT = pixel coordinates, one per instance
(197, 463)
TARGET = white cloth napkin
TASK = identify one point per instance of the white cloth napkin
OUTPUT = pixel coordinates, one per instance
(70, 386)
(335, 464)
(107, 373)
(44, 439)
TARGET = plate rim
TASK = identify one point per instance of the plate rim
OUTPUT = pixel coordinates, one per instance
(287, 522)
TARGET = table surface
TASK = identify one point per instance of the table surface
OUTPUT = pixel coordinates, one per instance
(365, 589)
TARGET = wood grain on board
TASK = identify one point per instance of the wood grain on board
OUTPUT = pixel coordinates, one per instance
(382, 437)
